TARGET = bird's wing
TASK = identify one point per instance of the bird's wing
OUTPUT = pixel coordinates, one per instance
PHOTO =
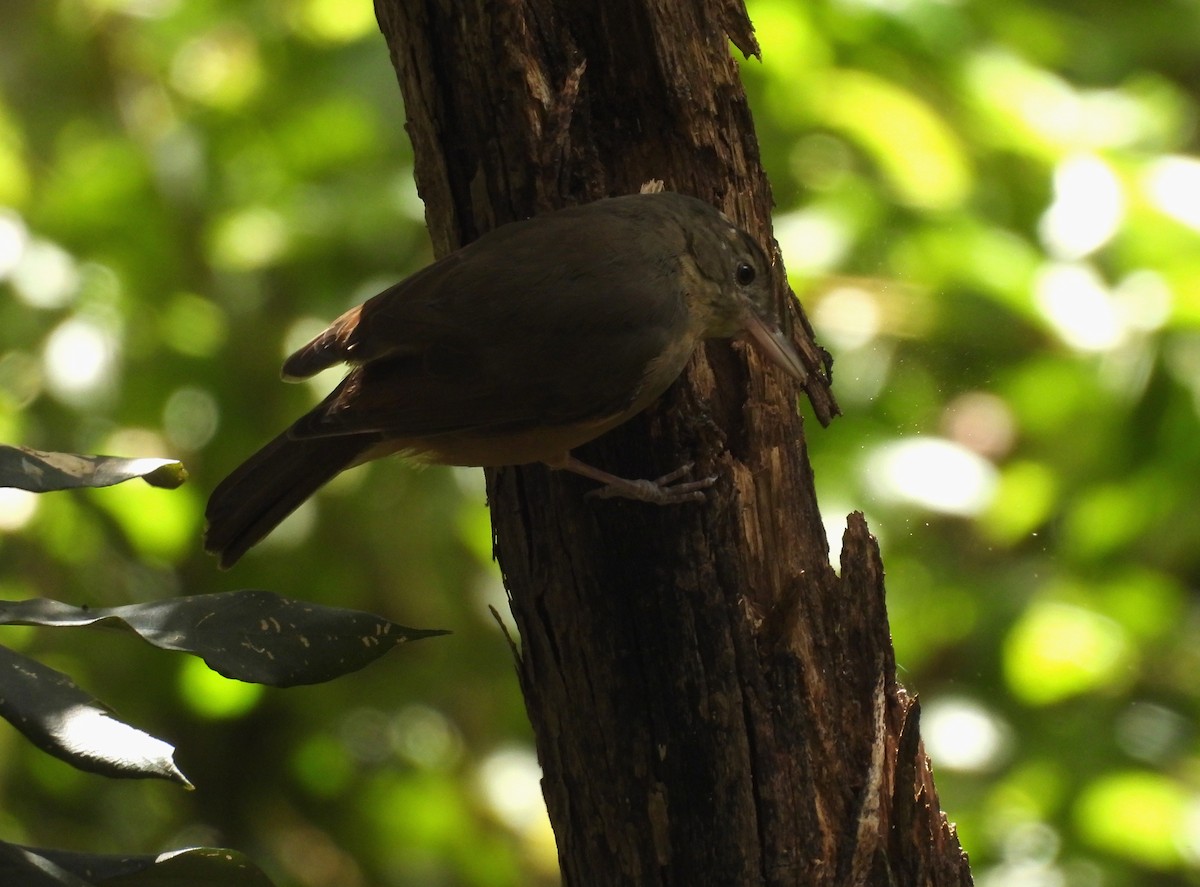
(498, 337)
(387, 323)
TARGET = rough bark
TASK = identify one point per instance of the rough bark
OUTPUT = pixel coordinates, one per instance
(712, 703)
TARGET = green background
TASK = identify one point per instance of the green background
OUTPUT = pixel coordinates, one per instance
(991, 210)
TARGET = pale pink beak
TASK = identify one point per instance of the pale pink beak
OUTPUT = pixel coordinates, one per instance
(770, 340)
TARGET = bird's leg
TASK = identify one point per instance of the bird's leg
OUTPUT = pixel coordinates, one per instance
(663, 491)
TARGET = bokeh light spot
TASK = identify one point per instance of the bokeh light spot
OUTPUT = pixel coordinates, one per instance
(221, 68)
(14, 237)
(45, 276)
(190, 417)
(80, 359)
(933, 473)
(814, 240)
(1077, 303)
(425, 737)
(332, 21)
(249, 239)
(510, 782)
(848, 317)
(961, 734)
(1138, 815)
(17, 508)
(982, 422)
(1058, 650)
(322, 765)
(193, 325)
(1173, 185)
(213, 696)
(1088, 207)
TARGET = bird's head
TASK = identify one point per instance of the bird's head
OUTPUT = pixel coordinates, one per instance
(731, 289)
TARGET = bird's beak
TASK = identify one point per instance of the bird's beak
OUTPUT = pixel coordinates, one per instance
(770, 340)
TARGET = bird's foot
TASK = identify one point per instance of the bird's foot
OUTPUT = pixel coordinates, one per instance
(662, 491)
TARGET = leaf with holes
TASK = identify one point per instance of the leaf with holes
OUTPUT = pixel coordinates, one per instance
(250, 635)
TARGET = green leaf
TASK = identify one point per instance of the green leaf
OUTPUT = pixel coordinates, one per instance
(248, 635)
(40, 472)
(63, 720)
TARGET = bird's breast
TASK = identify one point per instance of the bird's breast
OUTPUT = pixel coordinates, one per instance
(492, 449)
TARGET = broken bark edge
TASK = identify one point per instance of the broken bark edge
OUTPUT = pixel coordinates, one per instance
(894, 835)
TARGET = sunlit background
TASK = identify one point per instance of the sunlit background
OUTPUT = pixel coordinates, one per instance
(991, 209)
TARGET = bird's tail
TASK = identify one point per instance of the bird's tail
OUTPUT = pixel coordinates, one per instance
(270, 485)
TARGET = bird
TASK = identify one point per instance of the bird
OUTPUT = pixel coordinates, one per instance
(539, 336)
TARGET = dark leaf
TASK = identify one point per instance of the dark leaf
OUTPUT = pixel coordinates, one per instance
(248, 635)
(40, 472)
(193, 867)
(61, 719)
(29, 868)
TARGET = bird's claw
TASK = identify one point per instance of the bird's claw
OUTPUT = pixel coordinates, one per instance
(662, 491)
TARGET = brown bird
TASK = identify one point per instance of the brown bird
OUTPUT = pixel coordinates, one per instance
(532, 340)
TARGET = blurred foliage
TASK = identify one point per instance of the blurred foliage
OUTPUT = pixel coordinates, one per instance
(991, 209)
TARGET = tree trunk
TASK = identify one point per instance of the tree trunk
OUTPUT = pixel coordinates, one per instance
(712, 704)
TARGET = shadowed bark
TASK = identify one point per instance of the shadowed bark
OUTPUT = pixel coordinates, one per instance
(712, 703)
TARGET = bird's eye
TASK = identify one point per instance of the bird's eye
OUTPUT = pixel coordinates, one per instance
(745, 274)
